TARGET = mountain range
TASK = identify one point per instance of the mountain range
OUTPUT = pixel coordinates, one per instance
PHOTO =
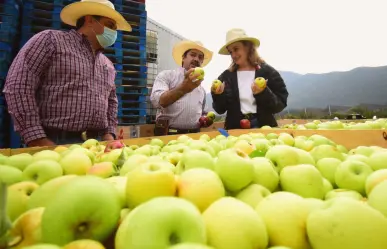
(350, 88)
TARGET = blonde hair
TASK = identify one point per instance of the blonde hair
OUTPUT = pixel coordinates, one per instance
(252, 57)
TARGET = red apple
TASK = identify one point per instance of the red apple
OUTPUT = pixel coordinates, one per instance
(205, 121)
(245, 124)
(116, 144)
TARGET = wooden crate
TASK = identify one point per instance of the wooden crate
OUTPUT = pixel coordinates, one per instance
(349, 138)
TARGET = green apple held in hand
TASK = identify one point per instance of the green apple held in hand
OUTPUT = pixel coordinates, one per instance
(148, 181)
(215, 85)
(285, 213)
(200, 186)
(166, 220)
(235, 168)
(352, 175)
(304, 180)
(200, 72)
(346, 223)
(17, 198)
(87, 208)
(260, 82)
(211, 115)
(42, 171)
(231, 223)
(26, 229)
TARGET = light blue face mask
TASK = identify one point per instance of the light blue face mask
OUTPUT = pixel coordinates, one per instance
(108, 37)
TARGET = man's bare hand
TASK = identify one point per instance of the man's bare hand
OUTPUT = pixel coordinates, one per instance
(190, 81)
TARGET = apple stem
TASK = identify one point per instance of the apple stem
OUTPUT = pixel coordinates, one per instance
(5, 223)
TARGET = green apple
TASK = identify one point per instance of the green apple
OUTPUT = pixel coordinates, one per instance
(157, 142)
(342, 148)
(303, 143)
(17, 198)
(362, 150)
(85, 151)
(201, 145)
(282, 156)
(310, 126)
(87, 208)
(286, 213)
(46, 155)
(212, 116)
(45, 193)
(377, 198)
(257, 135)
(235, 168)
(10, 175)
(244, 146)
(220, 137)
(346, 223)
(304, 157)
(266, 127)
(271, 135)
(206, 137)
(261, 144)
(374, 179)
(279, 247)
(200, 186)
(335, 193)
(75, 163)
(190, 246)
(159, 223)
(326, 150)
(42, 246)
(327, 186)
(132, 162)
(215, 84)
(84, 244)
(89, 143)
(327, 167)
(246, 137)
(216, 146)
(148, 181)
(145, 150)
(26, 229)
(265, 173)
(260, 82)
(60, 149)
(320, 140)
(119, 182)
(253, 194)
(286, 138)
(183, 138)
(231, 223)
(304, 180)
(352, 175)
(103, 170)
(378, 160)
(359, 157)
(19, 161)
(173, 157)
(42, 171)
(200, 72)
(195, 159)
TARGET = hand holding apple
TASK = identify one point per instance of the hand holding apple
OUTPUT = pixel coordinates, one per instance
(245, 124)
(258, 85)
(217, 87)
(205, 121)
(197, 74)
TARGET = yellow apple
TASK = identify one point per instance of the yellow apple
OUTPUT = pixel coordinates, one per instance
(261, 82)
(84, 244)
(76, 163)
(17, 198)
(253, 194)
(378, 198)
(215, 84)
(374, 179)
(147, 181)
(200, 186)
(231, 223)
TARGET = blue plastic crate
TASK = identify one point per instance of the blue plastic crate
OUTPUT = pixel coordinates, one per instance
(127, 60)
(134, 68)
(130, 75)
(131, 120)
(8, 36)
(131, 112)
(131, 98)
(131, 90)
(136, 36)
(132, 105)
(41, 13)
(130, 9)
(128, 3)
(131, 82)
(55, 2)
(10, 9)
(42, 5)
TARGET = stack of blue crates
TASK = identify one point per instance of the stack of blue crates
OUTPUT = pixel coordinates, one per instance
(9, 31)
(128, 53)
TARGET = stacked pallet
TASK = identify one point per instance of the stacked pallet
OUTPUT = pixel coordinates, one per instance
(152, 64)
(9, 34)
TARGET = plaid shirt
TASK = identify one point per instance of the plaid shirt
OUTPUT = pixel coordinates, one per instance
(56, 81)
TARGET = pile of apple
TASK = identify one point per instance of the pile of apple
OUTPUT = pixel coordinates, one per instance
(254, 191)
(380, 123)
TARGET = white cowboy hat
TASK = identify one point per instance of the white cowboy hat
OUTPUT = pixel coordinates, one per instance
(72, 12)
(181, 47)
(235, 35)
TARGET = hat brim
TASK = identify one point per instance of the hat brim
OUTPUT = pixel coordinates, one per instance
(224, 50)
(183, 46)
(72, 12)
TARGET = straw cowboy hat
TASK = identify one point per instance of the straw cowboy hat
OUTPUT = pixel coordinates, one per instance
(235, 35)
(181, 47)
(72, 12)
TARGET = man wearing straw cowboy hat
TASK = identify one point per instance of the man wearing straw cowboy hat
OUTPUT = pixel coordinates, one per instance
(60, 85)
(178, 94)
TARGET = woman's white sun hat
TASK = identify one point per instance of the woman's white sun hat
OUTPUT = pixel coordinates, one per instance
(235, 35)
(72, 12)
(181, 47)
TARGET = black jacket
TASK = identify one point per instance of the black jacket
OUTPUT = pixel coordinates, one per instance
(270, 101)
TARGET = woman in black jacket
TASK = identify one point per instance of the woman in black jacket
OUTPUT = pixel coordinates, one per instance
(238, 94)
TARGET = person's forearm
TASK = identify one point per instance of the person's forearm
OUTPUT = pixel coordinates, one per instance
(170, 97)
